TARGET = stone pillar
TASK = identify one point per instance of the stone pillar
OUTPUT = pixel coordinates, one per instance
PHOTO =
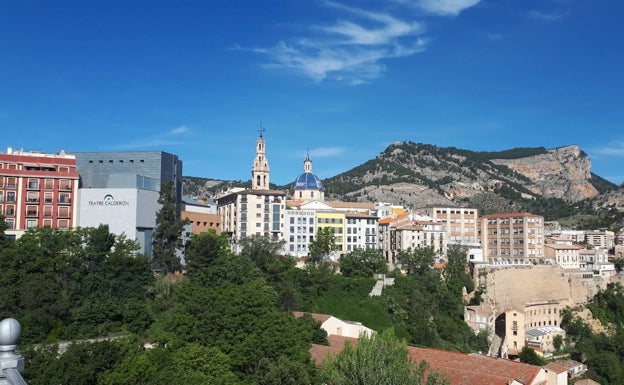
(11, 363)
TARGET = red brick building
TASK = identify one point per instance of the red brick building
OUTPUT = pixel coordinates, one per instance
(37, 190)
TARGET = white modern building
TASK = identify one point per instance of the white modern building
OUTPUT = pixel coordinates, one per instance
(129, 211)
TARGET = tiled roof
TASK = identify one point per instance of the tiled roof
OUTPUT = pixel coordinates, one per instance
(316, 316)
(458, 368)
(346, 205)
(559, 246)
(511, 215)
(556, 368)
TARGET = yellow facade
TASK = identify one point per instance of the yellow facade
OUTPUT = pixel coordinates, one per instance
(336, 221)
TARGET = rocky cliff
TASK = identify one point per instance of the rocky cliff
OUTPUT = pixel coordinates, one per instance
(563, 172)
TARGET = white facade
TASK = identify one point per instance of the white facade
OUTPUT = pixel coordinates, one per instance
(128, 211)
(299, 231)
(362, 231)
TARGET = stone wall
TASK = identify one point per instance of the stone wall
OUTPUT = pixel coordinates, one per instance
(514, 286)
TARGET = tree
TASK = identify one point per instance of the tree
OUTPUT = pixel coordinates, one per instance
(456, 271)
(203, 249)
(321, 245)
(558, 342)
(3, 228)
(529, 356)
(363, 263)
(167, 240)
(377, 359)
(417, 261)
(260, 249)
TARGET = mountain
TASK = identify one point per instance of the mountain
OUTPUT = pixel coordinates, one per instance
(550, 182)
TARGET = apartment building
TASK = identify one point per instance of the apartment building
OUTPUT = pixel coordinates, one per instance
(361, 231)
(461, 224)
(37, 190)
(336, 221)
(254, 211)
(512, 239)
(602, 239)
(410, 231)
(299, 231)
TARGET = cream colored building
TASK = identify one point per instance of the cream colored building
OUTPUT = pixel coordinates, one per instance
(566, 256)
(335, 220)
(255, 211)
(512, 239)
(461, 224)
(603, 239)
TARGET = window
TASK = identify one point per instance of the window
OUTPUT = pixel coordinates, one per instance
(63, 212)
(10, 223)
(1, 181)
(49, 184)
(47, 223)
(63, 224)
(48, 197)
(64, 184)
(64, 198)
(32, 197)
(10, 210)
(11, 183)
(47, 211)
(31, 223)
(1, 196)
(33, 184)
(32, 211)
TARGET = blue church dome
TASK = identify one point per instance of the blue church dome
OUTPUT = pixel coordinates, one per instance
(308, 181)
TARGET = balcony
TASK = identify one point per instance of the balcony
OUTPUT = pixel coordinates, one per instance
(32, 200)
(32, 213)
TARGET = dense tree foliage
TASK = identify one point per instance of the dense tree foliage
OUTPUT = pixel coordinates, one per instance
(322, 245)
(167, 238)
(74, 284)
(602, 352)
(363, 263)
(377, 359)
(203, 249)
(262, 250)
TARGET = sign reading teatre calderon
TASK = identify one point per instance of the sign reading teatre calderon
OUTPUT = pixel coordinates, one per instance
(109, 200)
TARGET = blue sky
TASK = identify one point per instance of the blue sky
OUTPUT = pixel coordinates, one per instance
(340, 79)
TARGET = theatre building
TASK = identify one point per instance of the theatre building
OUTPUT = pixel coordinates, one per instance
(37, 190)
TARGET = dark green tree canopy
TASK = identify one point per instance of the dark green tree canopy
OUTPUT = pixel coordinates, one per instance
(322, 245)
(167, 238)
(363, 263)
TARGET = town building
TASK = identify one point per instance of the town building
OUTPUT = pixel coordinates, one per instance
(459, 368)
(121, 190)
(602, 239)
(461, 224)
(512, 239)
(37, 190)
(411, 231)
(253, 211)
(564, 255)
(336, 326)
(200, 215)
(362, 231)
(307, 185)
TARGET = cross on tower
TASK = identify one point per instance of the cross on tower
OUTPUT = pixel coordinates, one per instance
(261, 130)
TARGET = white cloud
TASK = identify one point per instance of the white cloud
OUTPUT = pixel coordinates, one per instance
(350, 50)
(324, 152)
(442, 7)
(615, 148)
(494, 36)
(537, 15)
(179, 130)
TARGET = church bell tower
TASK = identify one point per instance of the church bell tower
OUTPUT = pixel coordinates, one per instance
(260, 170)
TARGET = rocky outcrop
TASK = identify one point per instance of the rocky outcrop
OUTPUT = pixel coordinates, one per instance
(563, 172)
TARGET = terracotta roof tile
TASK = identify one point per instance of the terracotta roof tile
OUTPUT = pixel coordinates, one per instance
(316, 316)
(458, 368)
